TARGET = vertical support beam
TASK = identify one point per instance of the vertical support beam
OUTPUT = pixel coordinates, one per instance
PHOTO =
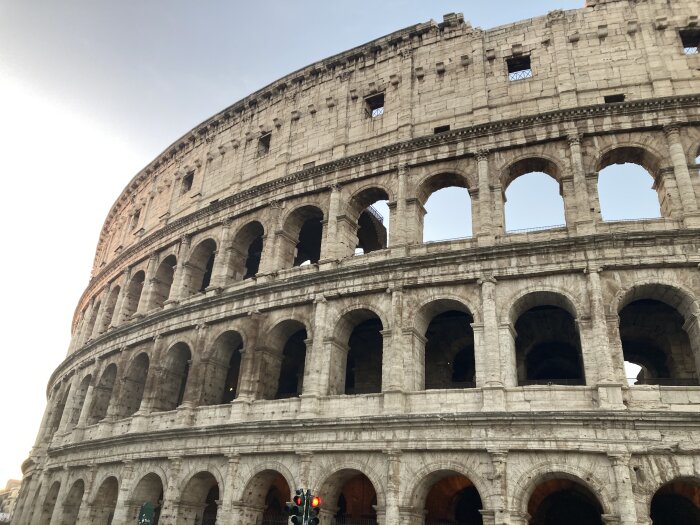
(122, 507)
(329, 247)
(316, 367)
(689, 200)
(221, 272)
(393, 476)
(399, 236)
(119, 306)
(394, 351)
(584, 221)
(150, 390)
(484, 231)
(171, 497)
(197, 372)
(498, 514)
(623, 488)
(249, 382)
(99, 321)
(494, 391)
(226, 515)
(84, 512)
(57, 515)
(179, 278)
(89, 396)
(149, 283)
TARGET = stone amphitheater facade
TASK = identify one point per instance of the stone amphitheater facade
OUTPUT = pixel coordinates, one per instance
(231, 345)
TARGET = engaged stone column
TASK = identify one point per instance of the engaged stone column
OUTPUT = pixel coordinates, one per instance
(225, 514)
(393, 475)
(249, 379)
(623, 487)
(683, 180)
(584, 219)
(99, 320)
(485, 232)
(498, 515)
(57, 515)
(329, 247)
(317, 365)
(117, 316)
(399, 236)
(122, 508)
(149, 284)
(220, 274)
(179, 278)
(490, 351)
(169, 511)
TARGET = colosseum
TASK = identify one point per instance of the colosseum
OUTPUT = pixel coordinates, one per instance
(252, 325)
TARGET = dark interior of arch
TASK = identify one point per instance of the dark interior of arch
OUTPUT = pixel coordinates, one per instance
(200, 266)
(252, 262)
(453, 500)
(247, 251)
(277, 495)
(291, 378)
(371, 232)
(105, 502)
(133, 386)
(49, 504)
(652, 337)
(548, 348)
(309, 245)
(58, 410)
(356, 501)
(109, 308)
(102, 395)
(163, 281)
(210, 506)
(363, 372)
(223, 370)
(449, 351)
(562, 501)
(676, 503)
(133, 295)
(71, 505)
(79, 401)
(174, 377)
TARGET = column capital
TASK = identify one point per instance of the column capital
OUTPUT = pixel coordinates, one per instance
(574, 139)
(482, 154)
(487, 279)
(672, 130)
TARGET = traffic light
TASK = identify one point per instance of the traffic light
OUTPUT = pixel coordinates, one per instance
(315, 509)
(295, 508)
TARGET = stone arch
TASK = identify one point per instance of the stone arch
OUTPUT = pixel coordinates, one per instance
(437, 304)
(342, 331)
(444, 331)
(49, 504)
(149, 489)
(175, 370)
(247, 249)
(133, 385)
(163, 281)
(428, 474)
(659, 326)
(71, 503)
(104, 503)
(59, 409)
(676, 502)
(330, 486)
(102, 394)
(546, 339)
(200, 495)
(451, 180)
(532, 296)
(302, 234)
(254, 494)
(438, 179)
(134, 290)
(223, 368)
(109, 306)
(78, 401)
(199, 267)
(527, 483)
(359, 368)
(370, 233)
(529, 163)
(285, 359)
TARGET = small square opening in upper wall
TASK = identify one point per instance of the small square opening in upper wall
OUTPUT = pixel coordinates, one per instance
(375, 105)
(264, 144)
(187, 181)
(691, 40)
(519, 68)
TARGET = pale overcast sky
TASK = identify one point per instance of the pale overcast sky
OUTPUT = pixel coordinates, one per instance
(92, 90)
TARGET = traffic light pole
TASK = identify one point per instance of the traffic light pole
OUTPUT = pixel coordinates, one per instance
(304, 508)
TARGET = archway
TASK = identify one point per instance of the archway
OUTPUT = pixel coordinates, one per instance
(291, 377)
(301, 243)
(133, 385)
(47, 507)
(562, 500)
(676, 503)
(199, 268)
(447, 208)
(102, 395)
(78, 402)
(533, 195)
(163, 282)
(352, 496)
(176, 369)
(627, 186)
(223, 369)
(284, 361)
(71, 504)
(449, 498)
(105, 502)
(362, 330)
(372, 226)
(199, 502)
(110, 305)
(132, 296)
(449, 350)
(264, 499)
(148, 491)
(57, 414)
(247, 249)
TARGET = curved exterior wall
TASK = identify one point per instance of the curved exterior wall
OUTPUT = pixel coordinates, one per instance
(113, 417)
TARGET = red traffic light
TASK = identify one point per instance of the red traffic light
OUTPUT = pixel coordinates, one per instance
(315, 501)
(298, 500)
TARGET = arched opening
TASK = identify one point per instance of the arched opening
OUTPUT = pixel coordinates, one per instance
(199, 501)
(449, 498)
(448, 208)
(561, 500)
(547, 344)
(110, 305)
(653, 338)
(90, 324)
(449, 349)
(148, 493)
(49, 504)
(71, 504)
(163, 281)
(78, 402)
(353, 495)
(132, 296)
(533, 196)
(291, 376)
(57, 413)
(199, 268)
(223, 370)
(265, 497)
(102, 395)
(247, 250)
(305, 226)
(628, 186)
(372, 225)
(173, 380)
(676, 503)
(133, 385)
(363, 369)
(105, 502)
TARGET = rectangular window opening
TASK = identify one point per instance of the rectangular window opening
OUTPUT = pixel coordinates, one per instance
(264, 144)
(135, 219)
(441, 129)
(375, 105)
(187, 181)
(691, 40)
(612, 99)
(519, 68)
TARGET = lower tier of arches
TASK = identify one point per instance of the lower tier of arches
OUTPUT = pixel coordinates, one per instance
(390, 487)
